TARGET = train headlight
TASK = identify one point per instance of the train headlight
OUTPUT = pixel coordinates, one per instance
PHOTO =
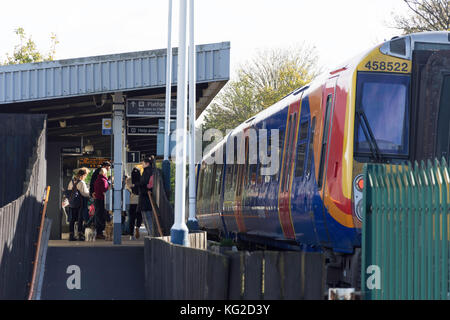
(358, 187)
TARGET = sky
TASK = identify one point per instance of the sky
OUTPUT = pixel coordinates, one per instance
(338, 29)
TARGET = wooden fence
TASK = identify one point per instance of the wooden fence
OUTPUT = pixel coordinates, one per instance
(181, 273)
(19, 226)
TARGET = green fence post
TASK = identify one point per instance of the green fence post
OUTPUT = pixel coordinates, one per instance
(403, 187)
(429, 230)
(445, 201)
(364, 245)
(384, 234)
(417, 227)
(409, 177)
(434, 174)
(377, 240)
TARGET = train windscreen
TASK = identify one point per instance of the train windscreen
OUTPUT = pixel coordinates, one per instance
(382, 115)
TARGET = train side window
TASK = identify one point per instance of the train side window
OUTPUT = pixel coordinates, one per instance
(311, 145)
(219, 171)
(288, 135)
(289, 152)
(301, 149)
(200, 183)
(325, 139)
(281, 134)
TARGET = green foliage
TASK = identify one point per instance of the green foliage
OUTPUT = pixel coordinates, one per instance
(426, 15)
(260, 83)
(26, 51)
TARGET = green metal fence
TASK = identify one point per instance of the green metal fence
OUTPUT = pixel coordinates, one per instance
(405, 232)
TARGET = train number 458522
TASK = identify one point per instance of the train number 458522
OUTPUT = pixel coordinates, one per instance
(386, 66)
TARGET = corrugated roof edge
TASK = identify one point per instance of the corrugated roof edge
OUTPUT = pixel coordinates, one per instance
(109, 57)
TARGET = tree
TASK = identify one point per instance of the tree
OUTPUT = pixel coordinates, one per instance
(266, 79)
(26, 51)
(426, 15)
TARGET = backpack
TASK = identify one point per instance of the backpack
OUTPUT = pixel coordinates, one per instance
(135, 179)
(74, 195)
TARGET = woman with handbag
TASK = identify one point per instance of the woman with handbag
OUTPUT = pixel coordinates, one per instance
(76, 191)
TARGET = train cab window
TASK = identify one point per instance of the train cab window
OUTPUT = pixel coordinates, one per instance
(325, 139)
(382, 115)
(301, 149)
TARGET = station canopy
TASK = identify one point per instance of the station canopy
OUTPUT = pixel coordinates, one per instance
(76, 94)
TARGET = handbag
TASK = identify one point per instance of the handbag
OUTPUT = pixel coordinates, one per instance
(150, 183)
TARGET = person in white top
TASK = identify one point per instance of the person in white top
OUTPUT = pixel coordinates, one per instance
(76, 212)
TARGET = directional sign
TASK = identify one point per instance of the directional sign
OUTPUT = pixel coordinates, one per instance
(152, 108)
(142, 130)
(133, 156)
(71, 150)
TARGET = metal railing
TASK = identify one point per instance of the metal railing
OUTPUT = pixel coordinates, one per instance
(405, 232)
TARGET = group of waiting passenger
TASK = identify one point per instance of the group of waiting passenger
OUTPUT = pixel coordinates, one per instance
(80, 198)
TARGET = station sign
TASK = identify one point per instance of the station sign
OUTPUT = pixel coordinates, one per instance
(133, 156)
(151, 108)
(91, 162)
(142, 130)
(71, 150)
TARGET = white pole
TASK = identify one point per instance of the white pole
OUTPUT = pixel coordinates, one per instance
(168, 85)
(166, 163)
(179, 231)
(192, 221)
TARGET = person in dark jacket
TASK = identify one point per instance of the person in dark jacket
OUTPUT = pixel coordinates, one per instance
(100, 187)
(144, 205)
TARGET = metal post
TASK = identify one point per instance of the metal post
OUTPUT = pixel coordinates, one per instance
(166, 163)
(192, 221)
(118, 122)
(179, 231)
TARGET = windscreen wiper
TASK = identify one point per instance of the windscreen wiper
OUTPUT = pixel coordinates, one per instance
(368, 133)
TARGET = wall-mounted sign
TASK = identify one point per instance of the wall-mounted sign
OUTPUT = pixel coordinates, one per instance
(152, 108)
(91, 162)
(106, 126)
(142, 130)
(71, 150)
(133, 156)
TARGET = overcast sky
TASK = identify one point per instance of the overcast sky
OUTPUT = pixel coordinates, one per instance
(338, 29)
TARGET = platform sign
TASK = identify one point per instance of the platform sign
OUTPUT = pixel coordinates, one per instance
(133, 156)
(151, 108)
(106, 126)
(142, 130)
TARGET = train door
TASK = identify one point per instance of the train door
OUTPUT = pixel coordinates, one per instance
(328, 102)
(288, 158)
(431, 104)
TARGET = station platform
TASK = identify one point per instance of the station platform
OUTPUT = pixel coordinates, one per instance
(94, 270)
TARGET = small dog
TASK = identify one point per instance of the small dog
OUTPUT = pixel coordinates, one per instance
(90, 233)
(109, 229)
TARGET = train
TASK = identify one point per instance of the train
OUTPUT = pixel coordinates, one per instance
(389, 104)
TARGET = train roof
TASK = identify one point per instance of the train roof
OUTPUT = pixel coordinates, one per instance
(401, 47)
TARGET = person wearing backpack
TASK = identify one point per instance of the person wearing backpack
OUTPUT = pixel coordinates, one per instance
(77, 190)
(135, 216)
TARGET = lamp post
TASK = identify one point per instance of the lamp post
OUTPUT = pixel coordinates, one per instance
(192, 220)
(179, 231)
(166, 163)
